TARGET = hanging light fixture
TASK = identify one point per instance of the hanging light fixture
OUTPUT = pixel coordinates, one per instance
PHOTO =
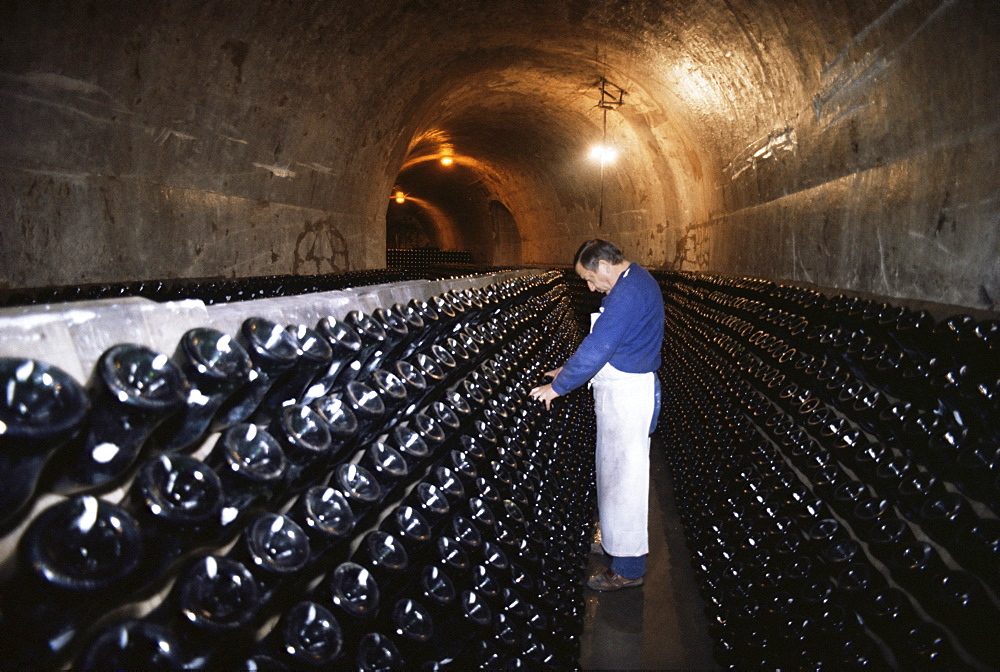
(612, 97)
(399, 196)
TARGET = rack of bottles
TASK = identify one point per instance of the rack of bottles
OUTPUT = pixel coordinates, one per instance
(372, 492)
(837, 472)
(208, 290)
(421, 257)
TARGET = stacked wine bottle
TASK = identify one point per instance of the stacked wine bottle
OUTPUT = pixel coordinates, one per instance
(372, 492)
(837, 473)
(208, 290)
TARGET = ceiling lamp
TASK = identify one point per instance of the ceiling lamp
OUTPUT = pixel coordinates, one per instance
(612, 97)
(603, 153)
(399, 196)
(447, 160)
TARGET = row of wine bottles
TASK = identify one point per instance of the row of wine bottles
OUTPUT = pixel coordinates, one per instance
(419, 257)
(835, 463)
(380, 493)
(208, 290)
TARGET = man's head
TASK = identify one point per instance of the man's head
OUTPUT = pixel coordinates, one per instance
(599, 263)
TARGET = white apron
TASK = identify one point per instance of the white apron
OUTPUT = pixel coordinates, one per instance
(624, 404)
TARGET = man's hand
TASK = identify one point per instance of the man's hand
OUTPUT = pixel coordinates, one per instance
(544, 393)
(553, 373)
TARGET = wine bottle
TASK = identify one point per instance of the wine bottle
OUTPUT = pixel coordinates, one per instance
(325, 515)
(304, 437)
(132, 645)
(177, 501)
(75, 559)
(274, 548)
(210, 608)
(346, 345)
(307, 636)
(43, 408)
(133, 389)
(251, 466)
(216, 366)
(341, 423)
(293, 386)
(361, 489)
(273, 351)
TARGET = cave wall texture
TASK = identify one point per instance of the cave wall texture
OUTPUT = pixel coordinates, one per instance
(845, 143)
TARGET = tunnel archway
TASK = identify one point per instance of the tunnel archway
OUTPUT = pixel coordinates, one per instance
(830, 143)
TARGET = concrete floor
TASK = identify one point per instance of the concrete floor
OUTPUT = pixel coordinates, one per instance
(662, 625)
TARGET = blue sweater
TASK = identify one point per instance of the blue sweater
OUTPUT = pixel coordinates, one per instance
(628, 334)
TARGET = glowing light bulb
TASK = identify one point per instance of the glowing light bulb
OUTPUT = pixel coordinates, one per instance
(603, 153)
(400, 197)
(447, 160)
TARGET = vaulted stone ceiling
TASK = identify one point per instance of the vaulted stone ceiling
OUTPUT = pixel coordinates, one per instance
(849, 144)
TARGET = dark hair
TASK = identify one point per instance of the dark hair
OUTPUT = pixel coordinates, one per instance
(595, 250)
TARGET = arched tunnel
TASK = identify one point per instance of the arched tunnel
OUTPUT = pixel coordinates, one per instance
(850, 145)
(770, 161)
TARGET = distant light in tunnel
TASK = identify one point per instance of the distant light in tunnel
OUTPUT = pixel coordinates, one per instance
(447, 160)
(603, 153)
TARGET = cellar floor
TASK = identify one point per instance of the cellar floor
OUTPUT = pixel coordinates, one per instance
(662, 625)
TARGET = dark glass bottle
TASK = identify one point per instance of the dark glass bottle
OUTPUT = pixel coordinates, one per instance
(469, 622)
(42, 408)
(355, 596)
(432, 372)
(943, 516)
(452, 557)
(415, 382)
(449, 483)
(927, 647)
(133, 645)
(76, 558)
(361, 489)
(274, 548)
(978, 548)
(251, 466)
(373, 344)
(340, 422)
(397, 333)
(387, 465)
(417, 330)
(428, 499)
(412, 626)
(429, 430)
(346, 345)
(390, 388)
(446, 416)
(216, 366)
(914, 564)
(133, 389)
(386, 557)
(445, 362)
(376, 652)
(178, 503)
(293, 386)
(210, 608)
(410, 445)
(273, 351)
(409, 526)
(326, 517)
(305, 439)
(307, 636)
(957, 599)
(368, 407)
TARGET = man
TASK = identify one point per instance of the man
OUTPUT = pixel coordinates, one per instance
(620, 357)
